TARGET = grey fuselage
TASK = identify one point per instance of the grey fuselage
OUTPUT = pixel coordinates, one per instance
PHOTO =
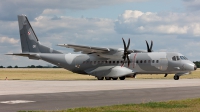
(141, 63)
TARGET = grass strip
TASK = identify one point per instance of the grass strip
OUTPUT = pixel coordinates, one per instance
(189, 105)
(62, 74)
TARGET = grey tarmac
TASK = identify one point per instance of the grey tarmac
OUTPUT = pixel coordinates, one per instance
(58, 95)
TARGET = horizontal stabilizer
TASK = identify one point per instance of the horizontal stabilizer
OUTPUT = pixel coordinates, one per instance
(34, 56)
(19, 54)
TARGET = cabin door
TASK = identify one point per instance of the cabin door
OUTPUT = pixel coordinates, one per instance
(163, 64)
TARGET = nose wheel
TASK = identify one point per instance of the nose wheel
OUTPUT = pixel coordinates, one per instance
(176, 77)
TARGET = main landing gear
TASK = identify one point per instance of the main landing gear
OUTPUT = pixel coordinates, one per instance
(100, 78)
(108, 78)
(113, 78)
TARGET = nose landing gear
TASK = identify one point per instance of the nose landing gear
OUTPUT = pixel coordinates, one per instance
(176, 77)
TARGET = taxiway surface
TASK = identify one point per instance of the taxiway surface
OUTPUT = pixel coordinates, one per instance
(58, 95)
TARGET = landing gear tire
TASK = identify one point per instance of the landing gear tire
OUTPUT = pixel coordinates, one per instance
(122, 78)
(176, 77)
(108, 78)
(100, 78)
(114, 78)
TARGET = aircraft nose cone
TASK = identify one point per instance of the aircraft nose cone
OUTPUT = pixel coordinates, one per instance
(195, 67)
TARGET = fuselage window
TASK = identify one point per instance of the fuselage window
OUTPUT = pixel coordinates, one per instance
(152, 61)
(106, 61)
(110, 62)
(94, 62)
(149, 61)
(113, 61)
(174, 58)
(117, 62)
(177, 57)
(157, 61)
(102, 61)
(137, 61)
(145, 61)
(121, 61)
(90, 62)
(140, 61)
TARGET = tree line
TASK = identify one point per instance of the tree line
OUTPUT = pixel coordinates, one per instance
(197, 63)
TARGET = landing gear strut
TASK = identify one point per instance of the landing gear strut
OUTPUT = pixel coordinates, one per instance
(176, 77)
(134, 75)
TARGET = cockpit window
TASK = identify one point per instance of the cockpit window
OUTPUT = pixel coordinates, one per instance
(182, 58)
(177, 57)
(185, 58)
(174, 58)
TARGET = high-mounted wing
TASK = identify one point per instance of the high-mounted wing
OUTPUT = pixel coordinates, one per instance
(85, 49)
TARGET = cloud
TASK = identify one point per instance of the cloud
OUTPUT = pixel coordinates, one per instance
(52, 12)
(68, 28)
(192, 5)
(9, 8)
(168, 23)
(8, 40)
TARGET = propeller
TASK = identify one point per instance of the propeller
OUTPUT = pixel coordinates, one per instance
(149, 49)
(126, 52)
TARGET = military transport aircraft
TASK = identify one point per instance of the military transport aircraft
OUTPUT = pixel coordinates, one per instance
(108, 63)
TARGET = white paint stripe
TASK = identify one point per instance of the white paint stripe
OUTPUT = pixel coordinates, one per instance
(16, 101)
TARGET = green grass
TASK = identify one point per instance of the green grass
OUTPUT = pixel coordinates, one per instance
(189, 105)
(163, 105)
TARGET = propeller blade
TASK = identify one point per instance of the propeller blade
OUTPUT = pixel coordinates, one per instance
(128, 60)
(123, 63)
(126, 52)
(124, 45)
(128, 44)
(151, 46)
(148, 49)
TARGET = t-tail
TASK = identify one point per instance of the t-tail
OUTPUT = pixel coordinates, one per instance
(29, 40)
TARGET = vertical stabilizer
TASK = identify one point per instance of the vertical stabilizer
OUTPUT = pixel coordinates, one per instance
(29, 40)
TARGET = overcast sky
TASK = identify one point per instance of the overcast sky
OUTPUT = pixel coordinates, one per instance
(173, 25)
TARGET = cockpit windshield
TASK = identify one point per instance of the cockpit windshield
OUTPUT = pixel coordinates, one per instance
(177, 58)
(183, 58)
